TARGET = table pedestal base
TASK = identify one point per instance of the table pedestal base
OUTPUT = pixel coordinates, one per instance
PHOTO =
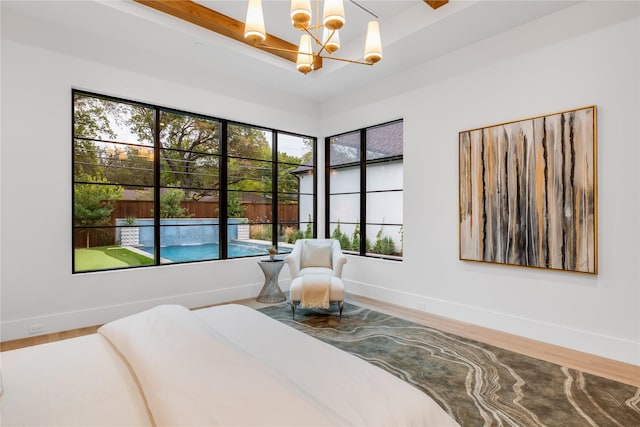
(271, 292)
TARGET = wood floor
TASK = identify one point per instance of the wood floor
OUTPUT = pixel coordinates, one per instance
(595, 365)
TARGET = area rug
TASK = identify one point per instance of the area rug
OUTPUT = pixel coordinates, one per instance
(476, 383)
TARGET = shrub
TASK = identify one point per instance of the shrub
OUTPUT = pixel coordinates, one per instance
(234, 206)
(170, 205)
(260, 232)
(308, 232)
(384, 245)
(355, 239)
(341, 237)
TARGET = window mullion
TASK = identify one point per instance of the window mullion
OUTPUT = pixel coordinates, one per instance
(223, 222)
(327, 185)
(274, 189)
(363, 191)
(156, 187)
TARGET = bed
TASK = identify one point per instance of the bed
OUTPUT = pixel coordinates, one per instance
(228, 365)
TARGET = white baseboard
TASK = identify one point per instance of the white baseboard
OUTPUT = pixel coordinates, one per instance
(615, 348)
(64, 321)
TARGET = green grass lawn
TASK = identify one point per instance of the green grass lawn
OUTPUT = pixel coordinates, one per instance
(106, 257)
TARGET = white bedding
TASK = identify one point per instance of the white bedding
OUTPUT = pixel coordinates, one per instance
(76, 382)
(226, 365)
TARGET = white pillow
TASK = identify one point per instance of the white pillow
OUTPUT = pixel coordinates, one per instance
(316, 254)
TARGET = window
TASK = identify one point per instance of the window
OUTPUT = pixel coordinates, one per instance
(365, 190)
(157, 186)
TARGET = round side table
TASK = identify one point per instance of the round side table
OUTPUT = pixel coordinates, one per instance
(271, 292)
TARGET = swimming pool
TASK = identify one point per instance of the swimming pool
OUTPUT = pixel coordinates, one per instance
(182, 253)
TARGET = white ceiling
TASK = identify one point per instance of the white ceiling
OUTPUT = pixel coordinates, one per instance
(412, 34)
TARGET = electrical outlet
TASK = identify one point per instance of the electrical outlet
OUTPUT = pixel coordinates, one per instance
(420, 305)
(36, 329)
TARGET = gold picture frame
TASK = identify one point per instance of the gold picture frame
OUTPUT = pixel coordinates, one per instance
(527, 192)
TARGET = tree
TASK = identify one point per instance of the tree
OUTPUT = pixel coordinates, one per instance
(94, 203)
(189, 148)
(91, 120)
(129, 165)
(170, 205)
(234, 207)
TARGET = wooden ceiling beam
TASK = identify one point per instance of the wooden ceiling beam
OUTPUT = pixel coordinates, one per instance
(436, 3)
(222, 24)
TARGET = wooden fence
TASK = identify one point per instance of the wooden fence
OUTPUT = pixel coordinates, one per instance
(255, 212)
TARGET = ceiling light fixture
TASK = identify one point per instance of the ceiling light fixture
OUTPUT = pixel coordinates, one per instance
(333, 19)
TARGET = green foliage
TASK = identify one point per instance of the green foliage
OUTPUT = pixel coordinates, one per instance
(94, 203)
(355, 238)
(189, 146)
(170, 205)
(290, 235)
(260, 232)
(308, 232)
(341, 237)
(369, 246)
(130, 220)
(234, 206)
(384, 245)
(91, 119)
(132, 165)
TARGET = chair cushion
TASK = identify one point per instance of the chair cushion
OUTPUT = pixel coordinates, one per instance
(337, 289)
(315, 270)
(316, 254)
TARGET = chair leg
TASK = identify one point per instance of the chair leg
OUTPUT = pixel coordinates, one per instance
(341, 307)
(293, 310)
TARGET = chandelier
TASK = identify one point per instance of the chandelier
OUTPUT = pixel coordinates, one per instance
(333, 19)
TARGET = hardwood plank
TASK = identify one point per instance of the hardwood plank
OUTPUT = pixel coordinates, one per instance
(46, 338)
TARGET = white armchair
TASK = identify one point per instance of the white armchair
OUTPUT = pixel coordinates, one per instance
(316, 256)
(316, 265)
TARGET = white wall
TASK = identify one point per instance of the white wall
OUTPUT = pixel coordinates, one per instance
(588, 54)
(36, 281)
(585, 55)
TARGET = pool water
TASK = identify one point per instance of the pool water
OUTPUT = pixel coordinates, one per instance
(182, 253)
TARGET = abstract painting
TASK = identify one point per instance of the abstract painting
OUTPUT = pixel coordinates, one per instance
(527, 192)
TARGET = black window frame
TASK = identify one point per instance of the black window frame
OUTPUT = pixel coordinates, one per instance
(362, 193)
(222, 179)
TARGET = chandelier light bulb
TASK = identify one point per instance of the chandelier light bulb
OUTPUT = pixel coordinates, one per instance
(331, 42)
(333, 14)
(373, 45)
(300, 13)
(305, 54)
(254, 31)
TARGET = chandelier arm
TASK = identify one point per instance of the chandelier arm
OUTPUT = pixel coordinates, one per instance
(318, 42)
(352, 61)
(279, 49)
